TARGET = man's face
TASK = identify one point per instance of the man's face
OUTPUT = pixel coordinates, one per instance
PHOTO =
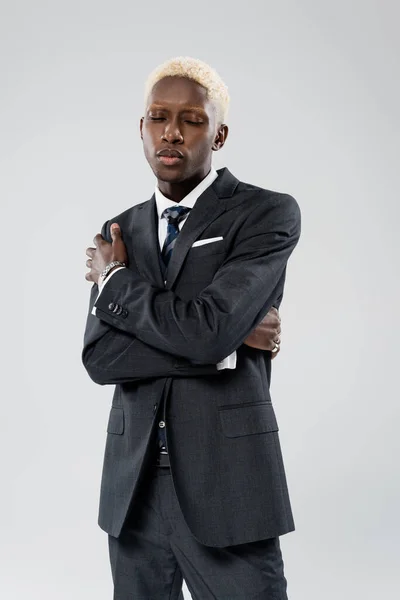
(180, 120)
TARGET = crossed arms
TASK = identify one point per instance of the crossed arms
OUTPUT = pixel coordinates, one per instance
(163, 335)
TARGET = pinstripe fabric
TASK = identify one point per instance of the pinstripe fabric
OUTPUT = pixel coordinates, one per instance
(156, 551)
(226, 459)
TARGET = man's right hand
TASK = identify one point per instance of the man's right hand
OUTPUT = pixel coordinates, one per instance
(264, 336)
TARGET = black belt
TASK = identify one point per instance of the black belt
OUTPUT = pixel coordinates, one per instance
(162, 460)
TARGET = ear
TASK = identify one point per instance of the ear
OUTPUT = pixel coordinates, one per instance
(220, 138)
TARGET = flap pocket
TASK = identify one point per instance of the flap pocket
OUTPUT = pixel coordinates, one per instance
(247, 419)
(116, 420)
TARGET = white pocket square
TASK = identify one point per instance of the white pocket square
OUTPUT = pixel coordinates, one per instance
(207, 241)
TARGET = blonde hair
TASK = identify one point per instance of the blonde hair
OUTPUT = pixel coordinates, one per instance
(196, 70)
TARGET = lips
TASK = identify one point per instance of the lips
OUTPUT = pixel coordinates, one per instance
(169, 157)
(169, 160)
(170, 153)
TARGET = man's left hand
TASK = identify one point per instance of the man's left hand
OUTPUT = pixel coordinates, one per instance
(104, 253)
(267, 334)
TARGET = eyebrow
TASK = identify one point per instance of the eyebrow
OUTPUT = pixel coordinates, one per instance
(186, 107)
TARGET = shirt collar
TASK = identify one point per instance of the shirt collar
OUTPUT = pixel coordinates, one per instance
(190, 199)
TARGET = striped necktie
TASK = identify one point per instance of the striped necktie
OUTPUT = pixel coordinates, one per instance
(174, 214)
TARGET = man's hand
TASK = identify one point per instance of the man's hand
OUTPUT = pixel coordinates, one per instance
(105, 253)
(267, 334)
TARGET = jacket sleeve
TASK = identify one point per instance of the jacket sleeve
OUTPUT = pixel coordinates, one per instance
(112, 356)
(217, 321)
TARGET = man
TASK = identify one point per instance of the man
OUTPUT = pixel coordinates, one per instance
(183, 319)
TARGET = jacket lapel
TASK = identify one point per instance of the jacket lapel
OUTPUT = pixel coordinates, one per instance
(146, 250)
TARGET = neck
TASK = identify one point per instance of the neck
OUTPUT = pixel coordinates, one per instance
(177, 191)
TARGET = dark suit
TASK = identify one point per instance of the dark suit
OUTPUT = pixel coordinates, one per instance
(168, 339)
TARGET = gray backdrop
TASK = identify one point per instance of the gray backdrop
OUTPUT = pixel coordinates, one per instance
(314, 113)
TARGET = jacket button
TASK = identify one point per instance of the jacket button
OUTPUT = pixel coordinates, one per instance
(111, 306)
(161, 424)
(124, 313)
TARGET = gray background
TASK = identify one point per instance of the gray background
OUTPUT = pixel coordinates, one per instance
(314, 113)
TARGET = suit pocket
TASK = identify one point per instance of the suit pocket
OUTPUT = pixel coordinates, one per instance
(116, 421)
(248, 419)
(207, 241)
(201, 250)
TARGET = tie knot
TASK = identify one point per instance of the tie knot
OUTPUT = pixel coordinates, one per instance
(174, 214)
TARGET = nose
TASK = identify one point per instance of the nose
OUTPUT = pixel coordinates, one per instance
(172, 133)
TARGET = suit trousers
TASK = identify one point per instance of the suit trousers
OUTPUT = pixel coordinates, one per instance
(156, 551)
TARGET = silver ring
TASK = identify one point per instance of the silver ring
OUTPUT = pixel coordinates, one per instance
(276, 348)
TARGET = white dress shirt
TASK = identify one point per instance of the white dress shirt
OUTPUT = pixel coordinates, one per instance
(162, 202)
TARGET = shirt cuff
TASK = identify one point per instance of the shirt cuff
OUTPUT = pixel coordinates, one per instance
(228, 363)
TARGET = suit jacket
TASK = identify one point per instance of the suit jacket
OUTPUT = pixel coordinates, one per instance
(152, 339)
